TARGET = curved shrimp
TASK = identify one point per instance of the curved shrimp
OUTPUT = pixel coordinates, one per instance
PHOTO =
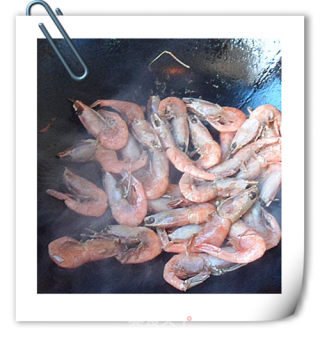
(108, 127)
(264, 121)
(139, 244)
(155, 180)
(86, 198)
(129, 110)
(239, 160)
(223, 119)
(90, 150)
(247, 244)
(174, 110)
(208, 149)
(203, 191)
(264, 224)
(187, 270)
(67, 252)
(195, 214)
(178, 158)
(125, 212)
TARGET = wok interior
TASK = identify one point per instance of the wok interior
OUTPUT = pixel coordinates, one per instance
(231, 72)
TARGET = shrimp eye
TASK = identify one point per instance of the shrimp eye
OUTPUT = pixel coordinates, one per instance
(149, 220)
(233, 146)
(252, 195)
(156, 123)
(194, 120)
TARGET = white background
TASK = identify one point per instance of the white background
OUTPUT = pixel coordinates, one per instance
(307, 314)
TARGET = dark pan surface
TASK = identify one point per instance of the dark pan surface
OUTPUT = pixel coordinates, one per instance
(239, 73)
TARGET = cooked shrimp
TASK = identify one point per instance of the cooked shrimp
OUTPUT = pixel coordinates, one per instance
(225, 142)
(108, 127)
(248, 245)
(264, 121)
(264, 224)
(178, 158)
(195, 214)
(208, 149)
(129, 110)
(67, 252)
(90, 149)
(174, 110)
(187, 270)
(223, 119)
(139, 244)
(155, 179)
(233, 165)
(270, 183)
(86, 198)
(124, 212)
(202, 191)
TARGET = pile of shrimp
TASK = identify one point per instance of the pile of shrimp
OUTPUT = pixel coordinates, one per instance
(215, 220)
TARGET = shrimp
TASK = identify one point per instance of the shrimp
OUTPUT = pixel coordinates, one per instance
(86, 198)
(234, 164)
(67, 252)
(270, 183)
(223, 119)
(124, 212)
(247, 244)
(195, 214)
(108, 127)
(225, 142)
(153, 104)
(131, 152)
(90, 149)
(173, 109)
(208, 149)
(155, 180)
(203, 191)
(264, 121)
(129, 110)
(214, 232)
(187, 270)
(178, 158)
(139, 244)
(264, 224)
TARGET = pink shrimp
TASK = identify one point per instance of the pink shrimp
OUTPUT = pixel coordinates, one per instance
(223, 119)
(129, 110)
(139, 244)
(87, 198)
(90, 149)
(203, 191)
(187, 270)
(178, 158)
(146, 135)
(248, 245)
(208, 149)
(155, 180)
(124, 212)
(263, 223)
(264, 121)
(195, 214)
(108, 127)
(174, 110)
(67, 252)
(234, 164)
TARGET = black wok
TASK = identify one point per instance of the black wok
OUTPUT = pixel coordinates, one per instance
(239, 73)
